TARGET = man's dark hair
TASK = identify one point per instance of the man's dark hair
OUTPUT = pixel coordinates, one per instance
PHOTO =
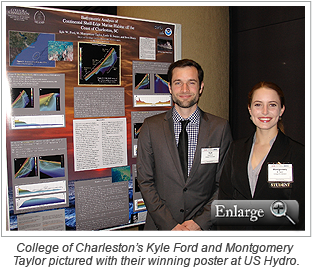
(185, 63)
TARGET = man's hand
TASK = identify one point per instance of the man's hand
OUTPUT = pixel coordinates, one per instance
(191, 225)
(180, 227)
(188, 225)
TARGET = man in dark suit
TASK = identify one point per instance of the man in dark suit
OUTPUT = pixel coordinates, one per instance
(178, 191)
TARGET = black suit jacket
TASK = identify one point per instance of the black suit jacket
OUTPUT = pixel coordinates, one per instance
(169, 199)
(234, 182)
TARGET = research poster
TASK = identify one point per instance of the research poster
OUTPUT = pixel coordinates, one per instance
(74, 82)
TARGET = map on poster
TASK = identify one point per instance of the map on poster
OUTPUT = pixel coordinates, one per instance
(99, 64)
(30, 49)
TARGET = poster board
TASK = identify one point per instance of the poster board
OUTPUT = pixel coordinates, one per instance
(76, 89)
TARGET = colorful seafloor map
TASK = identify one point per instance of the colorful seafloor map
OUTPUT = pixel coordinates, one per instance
(30, 49)
(25, 99)
(51, 166)
(26, 167)
(99, 64)
(161, 84)
(104, 65)
(49, 99)
(144, 81)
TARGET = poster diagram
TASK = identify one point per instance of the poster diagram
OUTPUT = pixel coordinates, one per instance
(161, 83)
(150, 84)
(99, 64)
(37, 121)
(142, 81)
(137, 119)
(152, 100)
(39, 174)
(39, 189)
(22, 97)
(30, 49)
(26, 167)
(37, 100)
(49, 99)
(40, 201)
(51, 166)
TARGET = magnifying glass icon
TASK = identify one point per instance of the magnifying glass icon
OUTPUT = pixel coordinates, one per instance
(279, 209)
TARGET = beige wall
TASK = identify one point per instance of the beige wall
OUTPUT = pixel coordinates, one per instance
(205, 39)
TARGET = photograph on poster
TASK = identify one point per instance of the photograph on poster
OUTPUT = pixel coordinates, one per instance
(60, 50)
(165, 45)
(121, 174)
(28, 49)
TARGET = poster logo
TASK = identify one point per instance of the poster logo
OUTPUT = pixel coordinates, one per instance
(168, 31)
(18, 14)
(39, 17)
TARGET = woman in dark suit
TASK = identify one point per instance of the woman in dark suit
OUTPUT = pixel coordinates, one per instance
(247, 171)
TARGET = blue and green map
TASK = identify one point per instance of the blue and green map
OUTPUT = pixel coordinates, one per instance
(29, 49)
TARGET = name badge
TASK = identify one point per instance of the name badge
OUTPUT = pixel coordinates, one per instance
(210, 155)
(280, 175)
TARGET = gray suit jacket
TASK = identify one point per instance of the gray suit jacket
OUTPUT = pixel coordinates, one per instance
(169, 199)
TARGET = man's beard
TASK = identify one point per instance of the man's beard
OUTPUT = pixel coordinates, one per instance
(186, 103)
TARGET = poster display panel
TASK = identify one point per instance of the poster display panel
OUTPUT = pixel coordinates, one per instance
(86, 81)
